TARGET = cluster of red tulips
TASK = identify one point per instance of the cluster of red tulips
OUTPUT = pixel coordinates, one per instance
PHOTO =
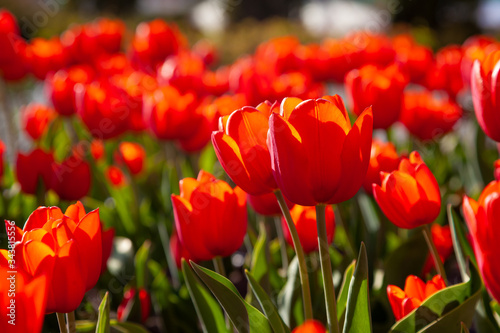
(125, 117)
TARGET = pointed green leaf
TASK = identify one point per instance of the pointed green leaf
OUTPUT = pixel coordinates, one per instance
(127, 327)
(460, 243)
(84, 326)
(103, 319)
(260, 260)
(290, 292)
(344, 290)
(267, 305)
(141, 260)
(357, 316)
(244, 317)
(207, 308)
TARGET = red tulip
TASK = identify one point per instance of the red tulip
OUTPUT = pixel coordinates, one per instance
(415, 59)
(428, 116)
(183, 71)
(71, 179)
(97, 149)
(383, 157)
(115, 176)
(484, 82)
(179, 251)
(310, 326)
(13, 64)
(45, 56)
(107, 245)
(124, 308)
(304, 219)
(109, 65)
(217, 82)
(409, 196)
(415, 292)
(34, 169)
(240, 145)
(60, 87)
(446, 74)
(476, 48)
(22, 297)
(36, 118)
(2, 150)
(441, 237)
(279, 53)
(380, 88)
(375, 49)
(316, 156)
(206, 212)
(267, 204)
(482, 220)
(206, 50)
(133, 155)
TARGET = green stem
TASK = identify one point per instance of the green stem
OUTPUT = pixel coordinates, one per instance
(304, 277)
(62, 322)
(281, 239)
(434, 252)
(219, 265)
(326, 270)
(70, 317)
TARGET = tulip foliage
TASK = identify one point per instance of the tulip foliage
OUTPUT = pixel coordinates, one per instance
(147, 186)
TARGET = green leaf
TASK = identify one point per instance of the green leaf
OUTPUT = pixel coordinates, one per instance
(444, 310)
(357, 316)
(460, 243)
(127, 327)
(207, 308)
(244, 317)
(344, 291)
(103, 319)
(290, 292)
(267, 305)
(260, 260)
(83, 326)
(141, 261)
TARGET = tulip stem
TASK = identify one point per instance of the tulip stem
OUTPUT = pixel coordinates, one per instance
(62, 322)
(434, 252)
(281, 239)
(326, 270)
(219, 265)
(304, 277)
(70, 317)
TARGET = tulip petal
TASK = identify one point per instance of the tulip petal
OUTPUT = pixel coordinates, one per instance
(391, 208)
(75, 212)
(40, 216)
(396, 297)
(88, 237)
(415, 287)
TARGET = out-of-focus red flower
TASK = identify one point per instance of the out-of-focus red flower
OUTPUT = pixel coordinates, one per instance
(65, 247)
(485, 94)
(153, 42)
(217, 82)
(34, 169)
(113, 64)
(27, 301)
(441, 236)
(2, 150)
(304, 219)
(129, 297)
(60, 87)
(178, 250)
(482, 220)
(36, 118)
(279, 53)
(428, 116)
(115, 176)
(103, 109)
(409, 196)
(240, 145)
(97, 149)
(474, 48)
(416, 291)
(310, 326)
(45, 56)
(496, 165)
(380, 88)
(133, 155)
(267, 204)
(13, 64)
(171, 115)
(183, 71)
(71, 179)
(314, 139)
(383, 157)
(415, 59)
(445, 74)
(206, 51)
(107, 245)
(375, 49)
(210, 216)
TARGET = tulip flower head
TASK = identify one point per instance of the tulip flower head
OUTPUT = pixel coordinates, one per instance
(210, 216)
(383, 157)
(115, 176)
(316, 156)
(129, 297)
(36, 118)
(310, 326)
(34, 169)
(267, 204)
(482, 220)
(415, 292)
(133, 155)
(409, 196)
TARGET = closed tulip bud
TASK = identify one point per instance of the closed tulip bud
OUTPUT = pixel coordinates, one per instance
(382, 88)
(34, 169)
(132, 155)
(383, 157)
(267, 204)
(45, 56)
(22, 297)
(97, 149)
(210, 216)
(310, 326)
(484, 81)
(415, 292)
(482, 220)
(409, 196)
(36, 118)
(71, 179)
(304, 219)
(428, 116)
(316, 156)
(115, 176)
